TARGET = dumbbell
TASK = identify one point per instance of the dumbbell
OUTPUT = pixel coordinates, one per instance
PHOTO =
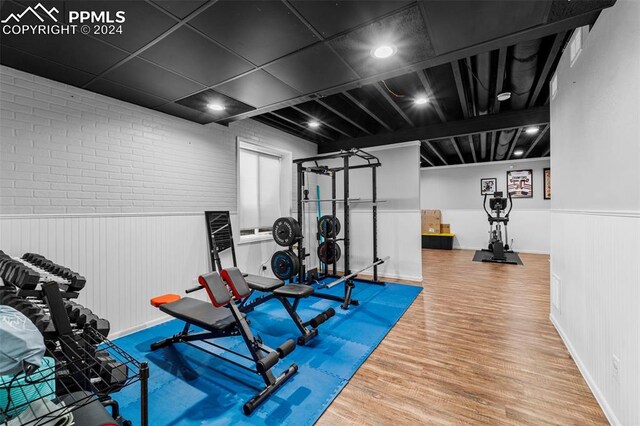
(81, 316)
(112, 372)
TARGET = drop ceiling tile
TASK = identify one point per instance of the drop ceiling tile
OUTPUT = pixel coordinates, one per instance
(405, 30)
(143, 22)
(258, 30)
(190, 54)
(258, 88)
(333, 17)
(43, 67)
(463, 23)
(123, 93)
(76, 51)
(312, 69)
(179, 8)
(199, 102)
(149, 78)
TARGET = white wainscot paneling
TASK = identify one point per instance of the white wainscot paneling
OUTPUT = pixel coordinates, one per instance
(529, 229)
(595, 259)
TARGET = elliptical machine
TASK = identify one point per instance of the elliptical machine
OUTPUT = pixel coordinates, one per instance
(497, 245)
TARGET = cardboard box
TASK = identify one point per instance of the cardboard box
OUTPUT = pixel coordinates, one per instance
(445, 228)
(431, 220)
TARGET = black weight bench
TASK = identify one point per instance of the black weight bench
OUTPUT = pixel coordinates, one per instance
(222, 318)
(276, 289)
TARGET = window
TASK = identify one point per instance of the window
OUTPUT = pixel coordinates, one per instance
(575, 46)
(263, 176)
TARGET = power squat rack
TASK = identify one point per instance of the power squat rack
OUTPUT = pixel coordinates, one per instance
(312, 165)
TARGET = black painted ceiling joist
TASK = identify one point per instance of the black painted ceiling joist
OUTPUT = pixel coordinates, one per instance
(558, 42)
(435, 151)
(322, 122)
(424, 80)
(367, 110)
(536, 140)
(391, 102)
(342, 116)
(484, 123)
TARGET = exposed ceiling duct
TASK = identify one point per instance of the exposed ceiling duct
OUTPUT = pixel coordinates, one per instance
(523, 70)
(522, 74)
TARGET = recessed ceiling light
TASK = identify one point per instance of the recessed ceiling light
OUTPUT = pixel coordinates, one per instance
(518, 152)
(531, 130)
(504, 96)
(216, 107)
(314, 124)
(384, 51)
(421, 100)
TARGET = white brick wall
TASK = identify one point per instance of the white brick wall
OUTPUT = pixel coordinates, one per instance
(68, 150)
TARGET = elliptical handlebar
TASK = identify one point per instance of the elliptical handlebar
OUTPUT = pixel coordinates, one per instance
(484, 205)
(510, 204)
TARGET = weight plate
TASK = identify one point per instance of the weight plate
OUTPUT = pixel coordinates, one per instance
(286, 231)
(329, 252)
(284, 264)
(329, 227)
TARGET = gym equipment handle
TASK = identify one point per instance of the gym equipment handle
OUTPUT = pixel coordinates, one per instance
(192, 289)
(320, 318)
(286, 348)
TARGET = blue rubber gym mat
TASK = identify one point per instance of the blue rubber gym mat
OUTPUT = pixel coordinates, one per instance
(189, 387)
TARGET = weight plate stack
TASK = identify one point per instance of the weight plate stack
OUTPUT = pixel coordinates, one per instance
(284, 264)
(329, 252)
(328, 226)
(286, 231)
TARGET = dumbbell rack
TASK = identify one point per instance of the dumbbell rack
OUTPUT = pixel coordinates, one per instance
(87, 367)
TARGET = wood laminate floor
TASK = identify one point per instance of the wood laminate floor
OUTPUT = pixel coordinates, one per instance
(476, 347)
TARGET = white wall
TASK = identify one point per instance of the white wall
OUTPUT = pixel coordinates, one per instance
(398, 215)
(117, 192)
(595, 216)
(455, 190)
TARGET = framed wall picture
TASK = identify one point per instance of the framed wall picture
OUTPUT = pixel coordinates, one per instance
(488, 186)
(520, 183)
(547, 183)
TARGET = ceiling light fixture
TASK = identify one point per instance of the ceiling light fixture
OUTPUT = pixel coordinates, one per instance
(504, 96)
(216, 107)
(518, 152)
(314, 124)
(531, 130)
(384, 51)
(421, 100)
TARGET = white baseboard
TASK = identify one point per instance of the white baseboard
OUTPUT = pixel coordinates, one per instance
(402, 277)
(139, 327)
(602, 401)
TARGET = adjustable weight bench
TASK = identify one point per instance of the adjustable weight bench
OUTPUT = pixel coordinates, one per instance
(276, 289)
(222, 318)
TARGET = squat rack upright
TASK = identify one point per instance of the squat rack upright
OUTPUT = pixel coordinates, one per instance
(366, 161)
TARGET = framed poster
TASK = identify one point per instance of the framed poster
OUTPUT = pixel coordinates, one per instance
(488, 186)
(520, 183)
(547, 183)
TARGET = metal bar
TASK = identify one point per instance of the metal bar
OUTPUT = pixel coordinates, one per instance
(374, 193)
(300, 245)
(342, 116)
(535, 142)
(354, 274)
(365, 109)
(144, 394)
(428, 143)
(345, 195)
(236, 363)
(333, 213)
(430, 95)
(394, 105)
